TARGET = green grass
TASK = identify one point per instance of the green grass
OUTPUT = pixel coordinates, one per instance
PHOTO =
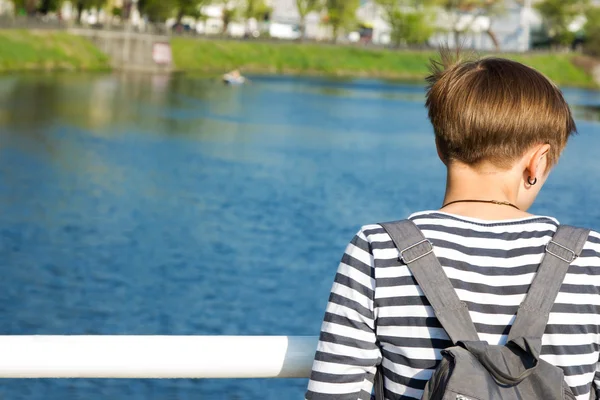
(559, 68)
(24, 50)
(218, 56)
(260, 57)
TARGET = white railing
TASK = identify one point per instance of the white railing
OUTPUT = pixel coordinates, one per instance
(156, 356)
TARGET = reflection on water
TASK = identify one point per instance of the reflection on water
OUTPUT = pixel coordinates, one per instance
(171, 104)
(139, 204)
(588, 113)
(584, 103)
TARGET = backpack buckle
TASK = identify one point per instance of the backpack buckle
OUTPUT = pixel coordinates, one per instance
(426, 253)
(571, 253)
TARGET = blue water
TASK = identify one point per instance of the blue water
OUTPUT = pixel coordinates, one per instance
(154, 205)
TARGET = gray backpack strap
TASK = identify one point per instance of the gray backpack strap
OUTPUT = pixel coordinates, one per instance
(561, 251)
(417, 253)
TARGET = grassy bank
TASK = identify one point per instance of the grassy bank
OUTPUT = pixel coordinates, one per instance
(214, 56)
(22, 50)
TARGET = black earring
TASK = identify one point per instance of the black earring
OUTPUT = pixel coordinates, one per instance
(530, 182)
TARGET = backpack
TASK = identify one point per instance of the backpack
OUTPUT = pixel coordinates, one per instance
(472, 369)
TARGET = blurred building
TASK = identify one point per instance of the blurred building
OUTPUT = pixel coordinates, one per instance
(283, 22)
(6, 7)
(213, 24)
(512, 27)
(285, 14)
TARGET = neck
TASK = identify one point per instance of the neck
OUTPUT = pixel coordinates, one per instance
(482, 183)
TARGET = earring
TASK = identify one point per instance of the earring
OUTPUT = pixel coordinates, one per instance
(530, 182)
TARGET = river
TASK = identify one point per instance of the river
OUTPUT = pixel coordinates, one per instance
(178, 206)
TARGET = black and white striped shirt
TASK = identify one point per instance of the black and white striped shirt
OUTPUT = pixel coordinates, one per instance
(377, 313)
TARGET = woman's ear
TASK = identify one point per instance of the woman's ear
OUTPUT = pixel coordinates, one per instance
(538, 161)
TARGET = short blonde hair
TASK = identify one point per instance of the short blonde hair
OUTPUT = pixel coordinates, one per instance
(494, 109)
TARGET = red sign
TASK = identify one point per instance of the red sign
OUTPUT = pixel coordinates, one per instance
(161, 53)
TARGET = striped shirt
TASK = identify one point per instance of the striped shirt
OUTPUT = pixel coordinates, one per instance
(378, 314)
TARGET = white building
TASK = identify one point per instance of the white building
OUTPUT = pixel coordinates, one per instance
(512, 27)
(285, 12)
(6, 7)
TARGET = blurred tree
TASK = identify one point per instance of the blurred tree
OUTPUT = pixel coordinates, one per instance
(81, 5)
(592, 32)
(410, 21)
(161, 10)
(30, 7)
(157, 10)
(456, 10)
(192, 8)
(230, 13)
(341, 14)
(557, 15)
(47, 6)
(413, 28)
(305, 7)
(256, 9)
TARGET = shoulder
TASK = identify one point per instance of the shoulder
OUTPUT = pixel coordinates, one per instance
(592, 246)
(372, 232)
(594, 237)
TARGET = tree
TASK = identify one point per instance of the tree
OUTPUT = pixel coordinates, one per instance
(192, 8)
(409, 21)
(412, 28)
(229, 14)
(592, 31)
(341, 14)
(305, 7)
(492, 9)
(456, 10)
(81, 5)
(47, 6)
(29, 6)
(157, 10)
(161, 10)
(256, 9)
(557, 15)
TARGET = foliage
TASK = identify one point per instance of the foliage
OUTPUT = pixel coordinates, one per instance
(230, 14)
(341, 14)
(256, 9)
(191, 8)
(87, 4)
(157, 10)
(411, 28)
(455, 9)
(29, 6)
(161, 10)
(304, 8)
(557, 15)
(592, 32)
(47, 6)
(410, 23)
(81, 5)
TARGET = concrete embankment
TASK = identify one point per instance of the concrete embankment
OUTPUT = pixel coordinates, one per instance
(132, 51)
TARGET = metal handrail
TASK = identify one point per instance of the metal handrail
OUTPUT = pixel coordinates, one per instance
(125, 356)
